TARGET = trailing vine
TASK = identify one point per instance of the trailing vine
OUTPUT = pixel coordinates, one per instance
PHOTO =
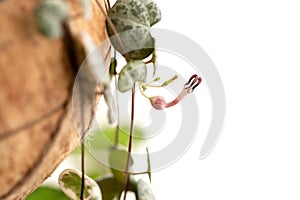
(128, 24)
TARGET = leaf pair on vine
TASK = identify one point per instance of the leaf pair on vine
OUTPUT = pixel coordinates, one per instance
(130, 35)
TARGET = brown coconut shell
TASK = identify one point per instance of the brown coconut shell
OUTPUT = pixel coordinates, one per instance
(36, 78)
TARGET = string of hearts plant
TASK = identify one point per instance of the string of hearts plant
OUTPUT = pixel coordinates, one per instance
(128, 23)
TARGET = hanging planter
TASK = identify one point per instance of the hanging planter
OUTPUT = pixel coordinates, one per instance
(37, 72)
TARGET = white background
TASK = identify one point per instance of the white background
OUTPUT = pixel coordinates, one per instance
(255, 46)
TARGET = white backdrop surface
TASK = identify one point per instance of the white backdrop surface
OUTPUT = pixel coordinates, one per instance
(255, 46)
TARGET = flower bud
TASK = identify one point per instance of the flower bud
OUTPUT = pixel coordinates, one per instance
(158, 102)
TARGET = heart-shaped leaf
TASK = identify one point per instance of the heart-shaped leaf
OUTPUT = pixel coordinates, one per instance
(49, 16)
(130, 73)
(153, 11)
(70, 183)
(144, 192)
(143, 12)
(111, 187)
(136, 39)
(132, 20)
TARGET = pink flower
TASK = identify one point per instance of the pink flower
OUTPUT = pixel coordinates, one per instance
(158, 102)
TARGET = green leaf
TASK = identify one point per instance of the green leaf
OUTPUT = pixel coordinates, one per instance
(134, 11)
(70, 183)
(144, 192)
(141, 50)
(117, 161)
(130, 73)
(153, 11)
(149, 164)
(138, 12)
(137, 40)
(49, 16)
(111, 187)
(132, 20)
(47, 193)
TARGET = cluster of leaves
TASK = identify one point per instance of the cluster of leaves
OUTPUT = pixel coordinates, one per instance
(132, 20)
(101, 182)
(128, 25)
(112, 185)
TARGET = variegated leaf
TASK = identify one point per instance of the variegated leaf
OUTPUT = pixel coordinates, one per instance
(70, 183)
(144, 192)
(49, 16)
(132, 20)
(130, 73)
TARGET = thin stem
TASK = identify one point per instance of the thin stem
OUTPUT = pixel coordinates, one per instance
(152, 60)
(108, 3)
(127, 175)
(149, 61)
(166, 83)
(155, 86)
(143, 92)
(82, 100)
(118, 114)
(114, 30)
(82, 170)
(137, 173)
